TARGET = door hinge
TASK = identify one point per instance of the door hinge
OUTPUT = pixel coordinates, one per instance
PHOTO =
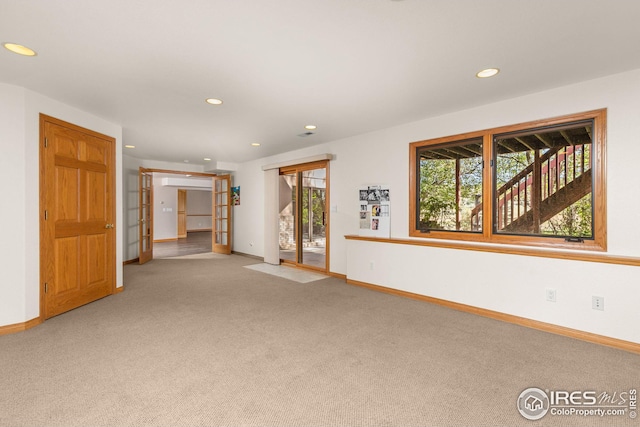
(46, 287)
(46, 142)
(46, 214)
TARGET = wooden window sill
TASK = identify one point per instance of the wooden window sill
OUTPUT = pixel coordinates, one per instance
(506, 249)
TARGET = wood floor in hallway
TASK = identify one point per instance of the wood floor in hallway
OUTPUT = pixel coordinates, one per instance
(196, 242)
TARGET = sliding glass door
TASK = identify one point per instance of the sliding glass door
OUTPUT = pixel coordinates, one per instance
(303, 215)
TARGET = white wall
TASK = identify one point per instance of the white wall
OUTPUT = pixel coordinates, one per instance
(506, 283)
(165, 210)
(13, 171)
(19, 136)
(199, 203)
(130, 167)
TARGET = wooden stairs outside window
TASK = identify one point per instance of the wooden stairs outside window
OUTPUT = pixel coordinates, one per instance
(557, 179)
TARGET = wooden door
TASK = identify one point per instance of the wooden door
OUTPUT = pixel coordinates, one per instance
(77, 232)
(145, 215)
(182, 214)
(221, 236)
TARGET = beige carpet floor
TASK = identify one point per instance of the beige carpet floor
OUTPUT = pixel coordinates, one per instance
(205, 342)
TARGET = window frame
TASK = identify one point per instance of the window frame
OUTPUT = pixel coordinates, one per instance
(598, 153)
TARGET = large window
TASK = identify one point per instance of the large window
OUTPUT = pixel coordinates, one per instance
(539, 183)
(450, 186)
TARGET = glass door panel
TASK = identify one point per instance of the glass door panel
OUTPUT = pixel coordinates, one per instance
(288, 225)
(313, 217)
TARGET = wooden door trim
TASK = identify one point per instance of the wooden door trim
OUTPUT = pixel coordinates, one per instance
(203, 174)
(304, 167)
(46, 260)
(327, 226)
(182, 223)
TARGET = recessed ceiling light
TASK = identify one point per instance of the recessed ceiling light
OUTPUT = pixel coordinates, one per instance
(186, 161)
(311, 127)
(206, 159)
(187, 175)
(255, 144)
(19, 49)
(129, 146)
(213, 101)
(488, 72)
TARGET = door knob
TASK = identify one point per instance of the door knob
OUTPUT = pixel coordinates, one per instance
(108, 226)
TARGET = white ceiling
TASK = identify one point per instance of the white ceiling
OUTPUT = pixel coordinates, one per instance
(347, 66)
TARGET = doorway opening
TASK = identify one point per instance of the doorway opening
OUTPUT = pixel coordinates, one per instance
(180, 215)
(304, 219)
(194, 213)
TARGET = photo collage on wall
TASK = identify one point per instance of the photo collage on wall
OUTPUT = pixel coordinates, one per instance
(374, 211)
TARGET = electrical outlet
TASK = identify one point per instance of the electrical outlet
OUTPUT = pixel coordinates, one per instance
(597, 303)
(370, 265)
(551, 295)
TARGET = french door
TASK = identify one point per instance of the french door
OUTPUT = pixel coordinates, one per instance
(221, 237)
(304, 219)
(145, 215)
